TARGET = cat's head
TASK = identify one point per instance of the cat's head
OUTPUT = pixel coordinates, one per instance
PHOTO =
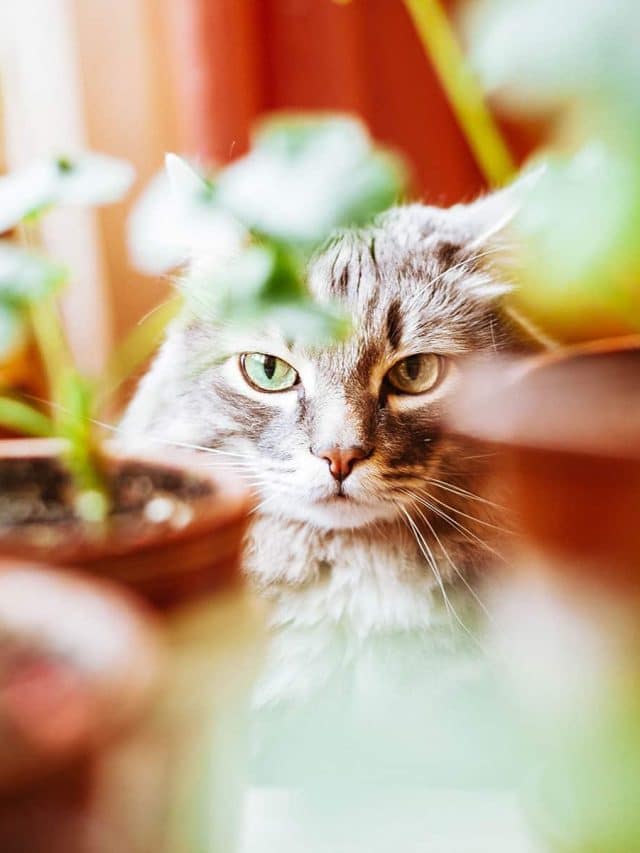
(346, 435)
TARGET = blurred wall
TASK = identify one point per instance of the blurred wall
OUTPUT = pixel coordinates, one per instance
(135, 78)
(238, 58)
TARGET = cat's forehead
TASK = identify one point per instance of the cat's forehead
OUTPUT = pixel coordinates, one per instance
(407, 281)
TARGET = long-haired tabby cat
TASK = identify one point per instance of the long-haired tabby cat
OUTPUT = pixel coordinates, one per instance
(370, 517)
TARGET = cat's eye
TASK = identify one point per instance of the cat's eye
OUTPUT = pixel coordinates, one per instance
(416, 374)
(267, 372)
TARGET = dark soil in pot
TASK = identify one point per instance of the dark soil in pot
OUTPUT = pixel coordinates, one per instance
(174, 529)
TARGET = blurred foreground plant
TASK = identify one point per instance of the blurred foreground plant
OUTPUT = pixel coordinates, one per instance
(578, 262)
(247, 233)
(251, 227)
(575, 253)
(29, 284)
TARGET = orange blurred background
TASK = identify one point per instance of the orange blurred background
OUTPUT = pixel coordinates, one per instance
(135, 78)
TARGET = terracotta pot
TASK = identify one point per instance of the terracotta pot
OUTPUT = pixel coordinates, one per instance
(195, 549)
(70, 686)
(166, 776)
(566, 425)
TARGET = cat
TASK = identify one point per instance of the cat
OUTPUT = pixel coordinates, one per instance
(371, 517)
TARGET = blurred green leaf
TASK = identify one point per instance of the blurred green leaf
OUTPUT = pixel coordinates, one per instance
(581, 218)
(306, 176)
(264, 285)
(91, 179)
(249, 232)
(22, 418)
(25, 276)
(87, 178)
(12, 330)
(544, 53)
(577, 255)
(578, 252)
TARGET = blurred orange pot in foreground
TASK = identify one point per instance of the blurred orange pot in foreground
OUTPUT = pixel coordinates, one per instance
(567, 427)
(155, 619)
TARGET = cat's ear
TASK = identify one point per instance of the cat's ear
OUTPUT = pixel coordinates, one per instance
(482, 221)
(184, 181)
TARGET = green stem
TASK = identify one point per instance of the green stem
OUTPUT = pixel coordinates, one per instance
(70, 399)
(462, 89)
(138, 346)
(48, 332)
(56, 359)
(22, 418)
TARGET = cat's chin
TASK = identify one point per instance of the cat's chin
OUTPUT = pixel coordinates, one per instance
(338, 513)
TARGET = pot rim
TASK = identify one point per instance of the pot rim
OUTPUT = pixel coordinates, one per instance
(509, 402)
(225, 507)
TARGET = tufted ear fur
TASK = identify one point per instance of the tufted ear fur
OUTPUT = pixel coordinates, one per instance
(482, 221)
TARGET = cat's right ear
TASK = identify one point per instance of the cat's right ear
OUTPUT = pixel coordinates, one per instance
(482, 221)
(184, 181)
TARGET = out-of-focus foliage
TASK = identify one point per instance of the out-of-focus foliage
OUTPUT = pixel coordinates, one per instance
(542, 53)
(580, 265)
(28, 285)
(571, 666)
(24, 278)
(305, 176)
(88, 178)
(249, 230)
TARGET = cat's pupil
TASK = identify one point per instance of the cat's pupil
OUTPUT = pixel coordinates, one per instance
(269, 366)
(412, 366)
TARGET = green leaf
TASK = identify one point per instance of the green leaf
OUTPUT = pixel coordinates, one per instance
(86, 179)
(264, 285)
(579, 226)
(545, 53)
(21, 418)
(91, 179)
(25, 276)
(74, 422)
(306, 176)
(216, 291)
(12, 330)
(306, 322)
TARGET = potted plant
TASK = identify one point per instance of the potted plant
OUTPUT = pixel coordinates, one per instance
(160, 523)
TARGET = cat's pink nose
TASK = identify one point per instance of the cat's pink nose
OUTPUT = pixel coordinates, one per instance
(342, 459)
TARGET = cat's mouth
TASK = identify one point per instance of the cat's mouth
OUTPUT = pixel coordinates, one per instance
(339, 496)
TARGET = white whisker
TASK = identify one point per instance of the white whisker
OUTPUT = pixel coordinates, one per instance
(428, 555)
(451, 562)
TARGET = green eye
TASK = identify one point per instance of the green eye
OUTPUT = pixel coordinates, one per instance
(267, 372)
(416, 374)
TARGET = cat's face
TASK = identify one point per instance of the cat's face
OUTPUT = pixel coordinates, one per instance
(347, 435)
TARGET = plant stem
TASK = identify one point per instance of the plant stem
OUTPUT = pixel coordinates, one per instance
(136, 348)
(462, 89)
(22, 418)
(48, 333)
(70, 401)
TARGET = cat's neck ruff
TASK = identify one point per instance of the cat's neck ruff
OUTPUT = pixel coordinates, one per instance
(368, 579)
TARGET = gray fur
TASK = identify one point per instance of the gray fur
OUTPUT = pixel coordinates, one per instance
(418, 280)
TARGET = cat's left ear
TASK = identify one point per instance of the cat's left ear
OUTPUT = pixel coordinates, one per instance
(482, 221)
